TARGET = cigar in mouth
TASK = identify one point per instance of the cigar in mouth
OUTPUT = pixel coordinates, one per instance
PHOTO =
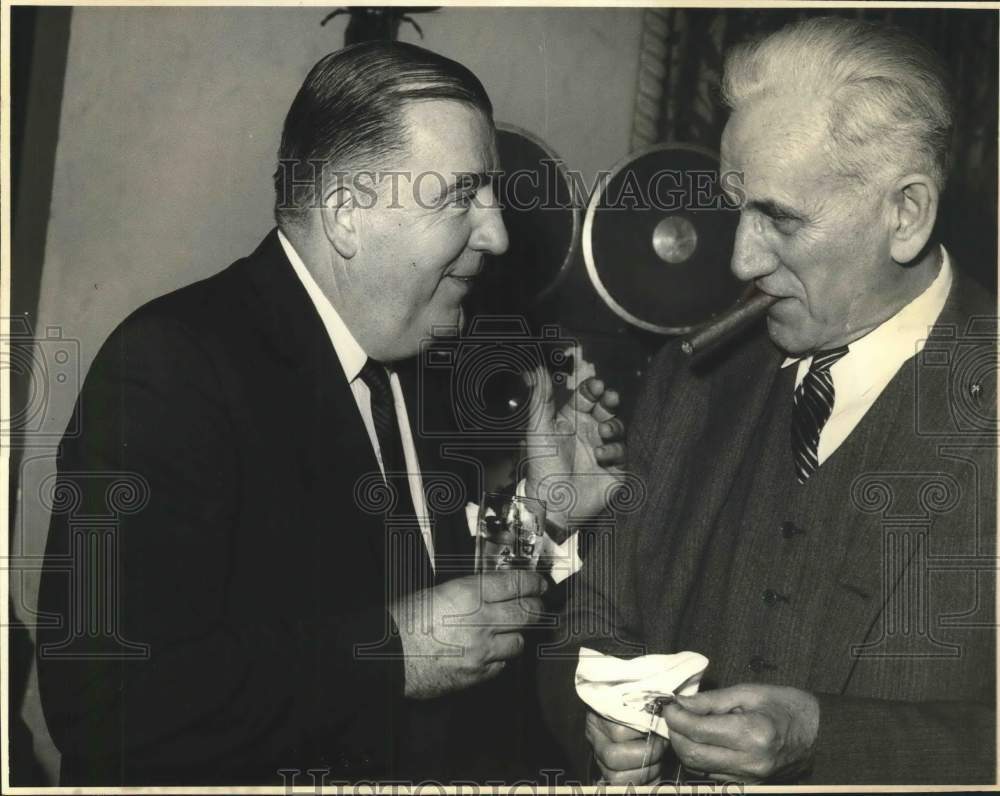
(727, 325)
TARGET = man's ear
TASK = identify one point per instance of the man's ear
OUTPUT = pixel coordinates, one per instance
(340, 222)
(915, 204)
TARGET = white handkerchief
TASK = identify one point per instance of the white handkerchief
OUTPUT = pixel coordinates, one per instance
(619, 688)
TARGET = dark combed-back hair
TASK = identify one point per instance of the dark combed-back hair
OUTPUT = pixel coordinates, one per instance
(347, 116)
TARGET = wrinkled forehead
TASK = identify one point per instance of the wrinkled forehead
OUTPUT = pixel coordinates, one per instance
(450, 134)
(776, 138)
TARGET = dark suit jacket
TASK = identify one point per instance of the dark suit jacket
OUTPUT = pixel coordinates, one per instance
(240, 577)
(900, 703)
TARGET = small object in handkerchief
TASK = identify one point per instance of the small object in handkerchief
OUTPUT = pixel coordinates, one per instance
(622, 690)
(647, 701)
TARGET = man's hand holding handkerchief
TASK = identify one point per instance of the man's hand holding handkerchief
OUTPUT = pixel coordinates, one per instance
(625, 697)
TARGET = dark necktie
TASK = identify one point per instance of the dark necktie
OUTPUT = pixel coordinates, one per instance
(384, 414)
(408, 563)
(813, 403)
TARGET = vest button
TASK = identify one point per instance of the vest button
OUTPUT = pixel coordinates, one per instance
(771, 597)
(758, 664)
(790, 529)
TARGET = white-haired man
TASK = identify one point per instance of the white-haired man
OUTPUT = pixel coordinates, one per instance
(807, 486)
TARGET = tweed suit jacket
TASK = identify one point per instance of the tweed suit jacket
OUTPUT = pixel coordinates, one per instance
(907, 693)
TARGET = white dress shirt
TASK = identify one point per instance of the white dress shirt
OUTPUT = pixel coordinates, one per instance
(865, 371)
(352, 358)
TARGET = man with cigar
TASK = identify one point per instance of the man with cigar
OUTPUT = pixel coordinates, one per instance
(291, 597)
(820, 516)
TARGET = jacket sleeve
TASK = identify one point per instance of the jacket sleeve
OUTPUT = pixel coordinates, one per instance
(166, 680)
(870, 741)
(601, 610)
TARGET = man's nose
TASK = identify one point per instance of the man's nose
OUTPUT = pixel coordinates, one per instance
(490, 233)
(752, 258)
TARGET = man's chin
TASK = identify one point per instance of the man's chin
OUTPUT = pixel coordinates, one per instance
(788, 338)
(447, 324)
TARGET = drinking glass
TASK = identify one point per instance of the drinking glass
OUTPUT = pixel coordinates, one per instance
(510, 532)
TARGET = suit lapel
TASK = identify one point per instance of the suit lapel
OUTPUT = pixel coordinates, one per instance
(685, 521)
(871, 573)
(863, 582)
(741, 392)
(336, 461)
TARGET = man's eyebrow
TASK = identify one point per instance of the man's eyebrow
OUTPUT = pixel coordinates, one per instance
(775, 209)
(469, 181)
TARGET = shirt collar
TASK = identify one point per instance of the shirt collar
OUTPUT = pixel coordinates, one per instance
(351, 355)
(889, 345)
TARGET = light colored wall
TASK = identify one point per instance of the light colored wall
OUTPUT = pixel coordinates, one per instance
(169, 127)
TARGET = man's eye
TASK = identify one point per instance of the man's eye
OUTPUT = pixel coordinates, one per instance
(463, 200)
(785, 224)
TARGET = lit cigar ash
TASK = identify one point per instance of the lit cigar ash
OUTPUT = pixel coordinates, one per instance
(727, 325)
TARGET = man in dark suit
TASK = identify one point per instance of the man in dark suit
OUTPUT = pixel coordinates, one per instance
(820, 517)
(276, 593)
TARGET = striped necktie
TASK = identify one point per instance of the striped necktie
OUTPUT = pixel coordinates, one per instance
(813, 404)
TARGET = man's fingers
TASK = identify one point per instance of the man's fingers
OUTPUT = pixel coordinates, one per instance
(626, 756)
(722, 700)
(696, 703)
(611, 453)
(511, 583)
(729, 730)
(516, 613)
(610, 399)
(611, 430)
(585, 397)
(638, 776)
(607, 405)
(591, 389)
(710, 759)
(492, 670)
(591, 397)
(505, 646)
(723, 778)
(621, 751)
(612, 730)
(630, 756)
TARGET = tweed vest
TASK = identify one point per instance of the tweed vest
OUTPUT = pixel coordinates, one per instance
(776, 548)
